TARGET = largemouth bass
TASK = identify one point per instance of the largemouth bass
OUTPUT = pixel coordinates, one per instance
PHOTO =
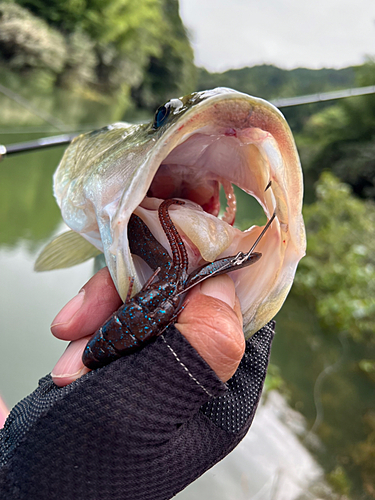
(194, 145)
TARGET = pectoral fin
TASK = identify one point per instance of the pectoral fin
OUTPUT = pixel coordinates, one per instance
(66, 250)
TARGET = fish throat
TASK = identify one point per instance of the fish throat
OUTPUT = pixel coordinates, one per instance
(196, 184)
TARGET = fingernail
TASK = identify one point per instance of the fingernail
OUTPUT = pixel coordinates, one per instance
(70, 366)
(221, 287)
(63, 380)
(67, 312)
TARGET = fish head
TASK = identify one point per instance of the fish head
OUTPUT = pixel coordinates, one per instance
(194, 145)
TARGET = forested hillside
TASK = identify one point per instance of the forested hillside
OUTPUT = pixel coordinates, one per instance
(128, 50)
(271, 82)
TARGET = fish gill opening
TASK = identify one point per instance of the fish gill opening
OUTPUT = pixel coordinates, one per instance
(249, 212)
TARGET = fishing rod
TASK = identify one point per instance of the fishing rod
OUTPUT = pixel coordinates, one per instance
(45, 142)
(279, 103)
(323, 96)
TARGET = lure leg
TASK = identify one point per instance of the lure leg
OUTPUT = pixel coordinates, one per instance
(143, 243)
(227, 264)
(151, 278)
(220, 266)
(129, 294)
(174, 317)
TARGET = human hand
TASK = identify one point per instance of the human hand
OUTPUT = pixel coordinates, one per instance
(148, 424)
(211, 321)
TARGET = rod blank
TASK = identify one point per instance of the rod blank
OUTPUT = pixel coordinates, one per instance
(45, 142)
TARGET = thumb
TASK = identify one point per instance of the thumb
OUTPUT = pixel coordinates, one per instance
(212, 323)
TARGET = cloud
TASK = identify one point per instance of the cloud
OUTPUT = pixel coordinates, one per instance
(236, 33)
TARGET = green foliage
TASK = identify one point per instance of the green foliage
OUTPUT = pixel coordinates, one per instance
(105, 21)
(62, 14)
(27, 42)
(339, 480)
(367, 366)
(171, 73)
(343, 138)
(356, 166)
(365, 74)
(338, 274)
(109, 47)
(364, 455)
(116, 37)
(274, 380)
(270, 82)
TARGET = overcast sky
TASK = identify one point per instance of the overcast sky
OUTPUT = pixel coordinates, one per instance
(287, 33)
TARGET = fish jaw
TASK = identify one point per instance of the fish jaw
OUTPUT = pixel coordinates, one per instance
(214, 136)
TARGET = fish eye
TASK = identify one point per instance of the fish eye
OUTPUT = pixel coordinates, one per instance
(161, 115)
(163, 112)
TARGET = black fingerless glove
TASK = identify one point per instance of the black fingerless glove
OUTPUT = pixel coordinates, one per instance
(141, 428)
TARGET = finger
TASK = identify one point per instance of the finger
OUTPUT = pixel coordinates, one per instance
(88, 310)
(70, 366)
(212, 323)
(237, 310)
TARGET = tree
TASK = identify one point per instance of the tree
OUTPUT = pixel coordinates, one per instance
(172, 72)
(344, 134)
(119, 46)
(338, 273)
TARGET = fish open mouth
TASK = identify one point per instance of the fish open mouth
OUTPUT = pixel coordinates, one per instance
(194, 171)
(206, 141)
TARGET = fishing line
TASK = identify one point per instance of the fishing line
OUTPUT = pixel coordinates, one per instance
(318, 385)
(37, 112)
